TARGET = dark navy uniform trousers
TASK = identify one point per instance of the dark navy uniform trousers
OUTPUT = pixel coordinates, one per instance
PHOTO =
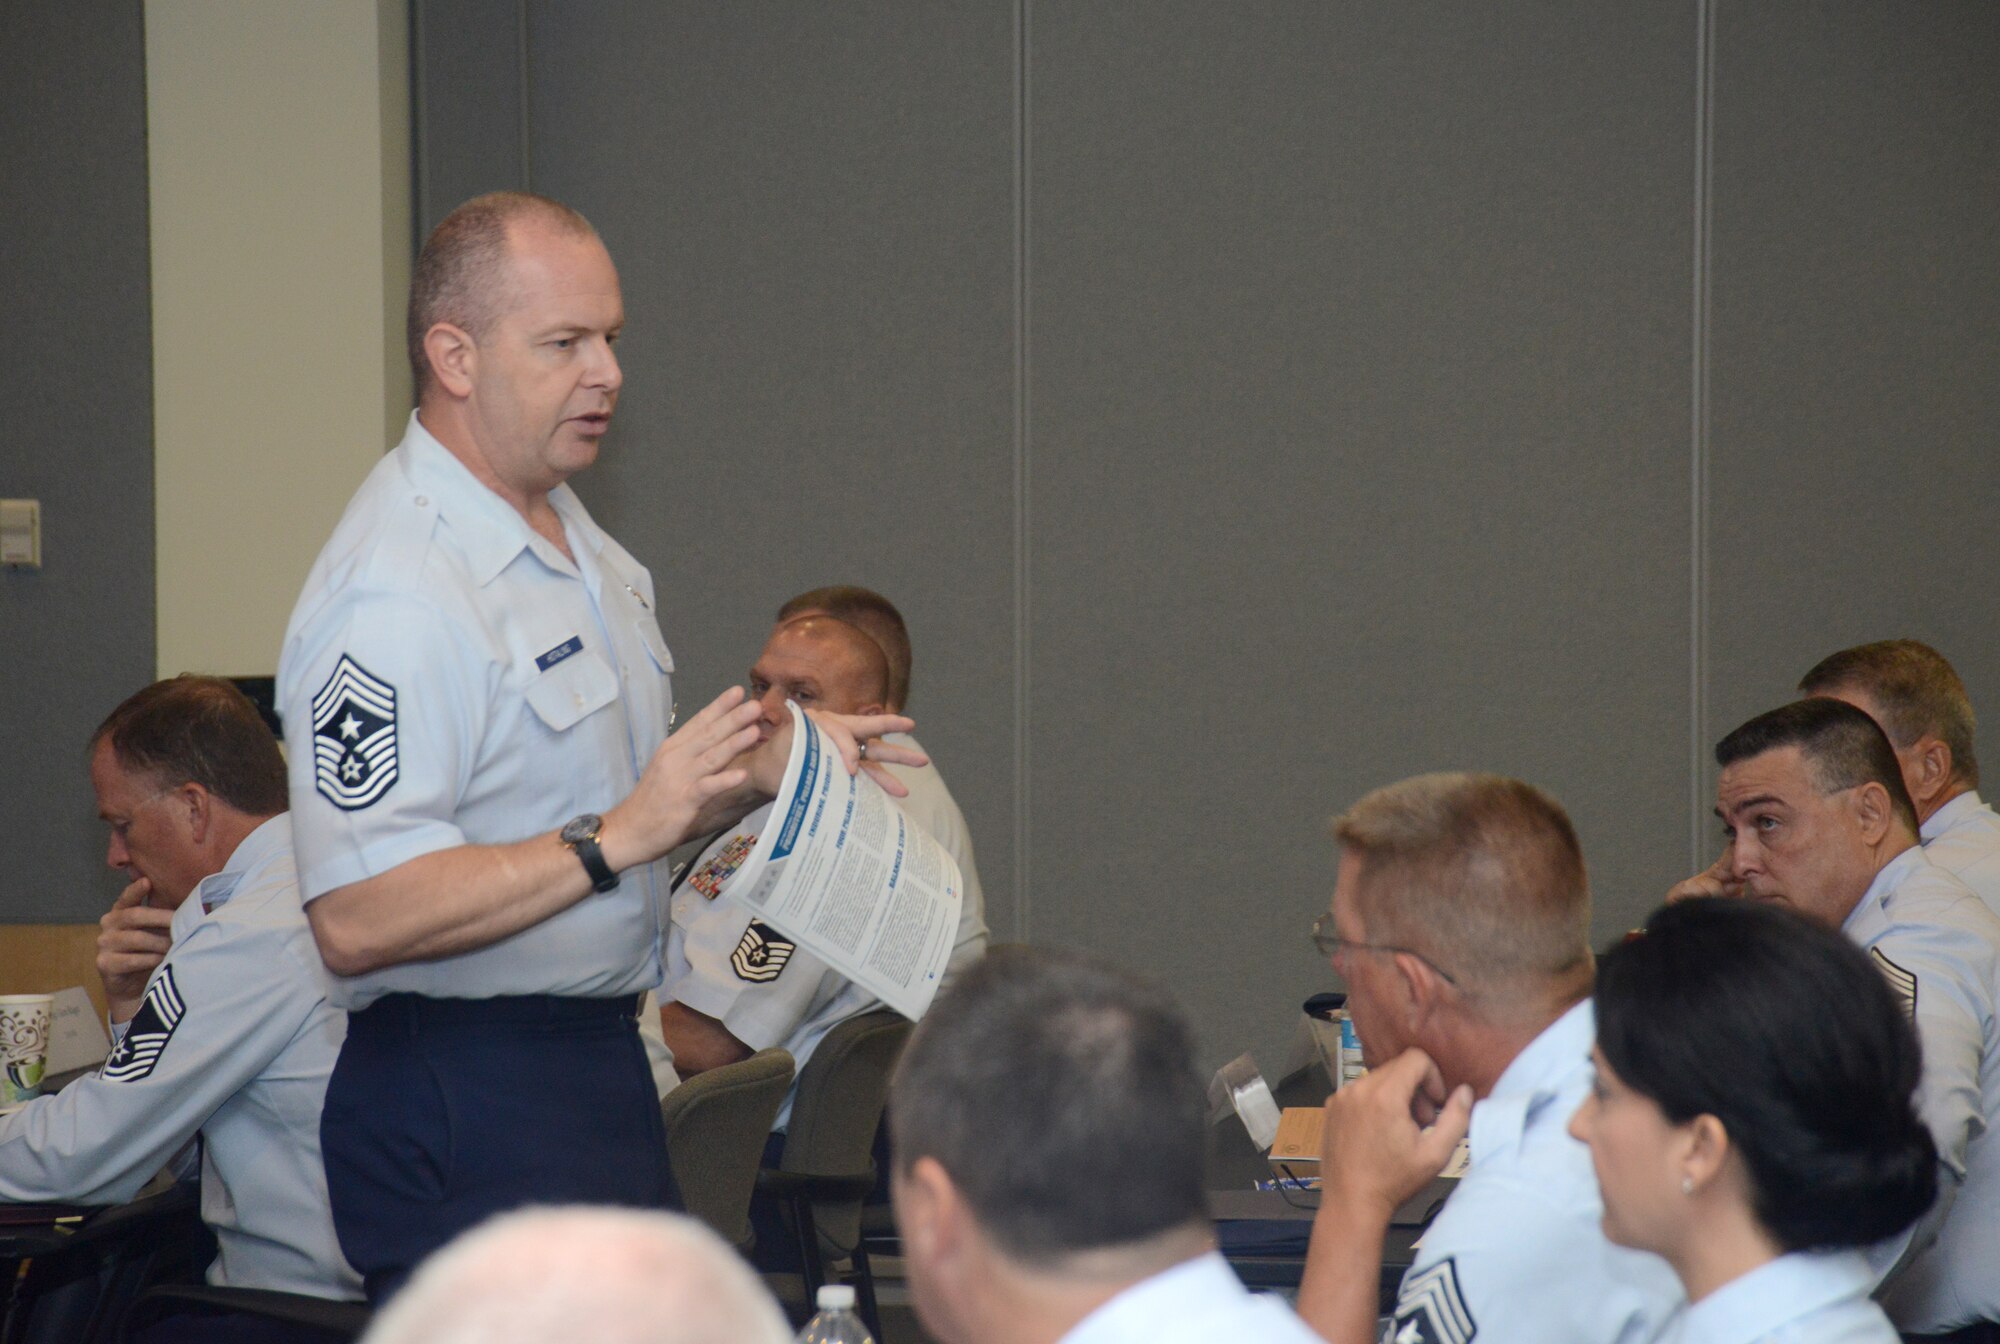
(443, 1112)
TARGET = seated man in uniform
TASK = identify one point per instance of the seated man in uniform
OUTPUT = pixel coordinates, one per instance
(930, 804)
(733, 984)
(1049, 1128)
(217, 1004)
(608, 1276)
(1918, 700)
(1813, 804)
(1461, 923)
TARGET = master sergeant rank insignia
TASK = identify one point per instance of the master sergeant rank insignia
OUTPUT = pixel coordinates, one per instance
(762, 953)
(149, 1031)
(354, 736)
(1431, 1310)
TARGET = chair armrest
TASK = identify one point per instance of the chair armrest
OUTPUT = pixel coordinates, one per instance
(813, 1185)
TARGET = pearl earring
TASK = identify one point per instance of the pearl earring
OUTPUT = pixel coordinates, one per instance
(1687, 1185)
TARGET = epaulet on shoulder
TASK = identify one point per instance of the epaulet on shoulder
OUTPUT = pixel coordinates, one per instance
(403, 537)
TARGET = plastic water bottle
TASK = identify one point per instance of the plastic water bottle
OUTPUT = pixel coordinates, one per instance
(836, 1322)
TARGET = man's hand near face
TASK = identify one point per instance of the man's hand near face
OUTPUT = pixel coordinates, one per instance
(133, 938)
(1718, 879)
(1386, 1134)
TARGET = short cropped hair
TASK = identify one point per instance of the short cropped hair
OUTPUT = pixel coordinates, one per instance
(1781, 1029)
(1842, 746)
(1480, 873)
(1061, 1096)
(1918, 692)
(460, 277)
(607, 1276)
(199, 730)
(875, 615)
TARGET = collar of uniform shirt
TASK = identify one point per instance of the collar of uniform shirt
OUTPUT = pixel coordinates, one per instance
(1532, 1081)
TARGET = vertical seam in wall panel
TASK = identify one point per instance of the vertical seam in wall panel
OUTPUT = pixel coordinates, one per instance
(420, 159)
(527, 113)
(1023, 891)
(1698, 540)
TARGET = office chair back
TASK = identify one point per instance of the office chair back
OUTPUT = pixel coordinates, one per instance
(716, 1125)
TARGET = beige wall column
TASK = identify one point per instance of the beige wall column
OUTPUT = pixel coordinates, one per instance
(280, 190)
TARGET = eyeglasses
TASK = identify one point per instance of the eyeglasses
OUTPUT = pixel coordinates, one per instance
(120, 826)
(1331, 945)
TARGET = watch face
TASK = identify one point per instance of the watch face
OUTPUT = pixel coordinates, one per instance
(579, 829)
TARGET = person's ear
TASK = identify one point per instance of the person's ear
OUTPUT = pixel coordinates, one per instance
(1873, 812)
(930, 1210)
(1420, 989)
(1933, 762)
(197, 810)
(453, 356)
(1705, 1151)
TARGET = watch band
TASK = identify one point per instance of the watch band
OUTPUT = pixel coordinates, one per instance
(581, 836)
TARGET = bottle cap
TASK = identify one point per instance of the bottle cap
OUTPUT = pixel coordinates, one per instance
(836, 1297)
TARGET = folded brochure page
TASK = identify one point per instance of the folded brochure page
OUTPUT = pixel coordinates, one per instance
(840, 871)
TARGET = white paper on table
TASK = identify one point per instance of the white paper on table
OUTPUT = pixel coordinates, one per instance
(841, 872)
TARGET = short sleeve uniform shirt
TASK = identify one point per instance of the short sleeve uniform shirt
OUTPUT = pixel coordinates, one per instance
(1518, 1253)
(449, 677)
(1939, 947)
(1963, 838)
(1795, 1299)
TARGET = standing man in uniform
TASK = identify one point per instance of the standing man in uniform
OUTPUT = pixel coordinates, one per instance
(477, 700)
(930, 804)
(1812, 801)
(1918, 700)
(217, 1004)
(1461, 923)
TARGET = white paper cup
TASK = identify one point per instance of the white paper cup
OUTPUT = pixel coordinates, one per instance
(24, 1045)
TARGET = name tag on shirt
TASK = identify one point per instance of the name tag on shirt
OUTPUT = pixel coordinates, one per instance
(572, 645)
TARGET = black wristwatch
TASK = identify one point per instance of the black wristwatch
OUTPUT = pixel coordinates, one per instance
(580, 834)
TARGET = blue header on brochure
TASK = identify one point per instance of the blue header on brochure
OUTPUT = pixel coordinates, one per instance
(795, 816)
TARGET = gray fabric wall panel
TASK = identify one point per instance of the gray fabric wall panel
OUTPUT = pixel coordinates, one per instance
(1856, 457)
(810, 208)
(76, 432)
(1255, 404)
(1359, 433)
(468, 122)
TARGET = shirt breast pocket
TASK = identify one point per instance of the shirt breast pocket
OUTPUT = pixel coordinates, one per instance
(573, 689)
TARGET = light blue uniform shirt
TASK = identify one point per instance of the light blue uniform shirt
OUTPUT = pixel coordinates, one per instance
(1199, 1301)
(234, 1040)
(1963, 838)
(1795, 1299)
(1518, 1252)
(1939, 946)
(449, 677)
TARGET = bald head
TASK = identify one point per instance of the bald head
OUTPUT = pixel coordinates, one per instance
(462, 276)
(611, 1276)
(822, 663)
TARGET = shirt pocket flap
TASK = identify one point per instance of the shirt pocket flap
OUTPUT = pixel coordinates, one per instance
(579, 685)
(656, 645)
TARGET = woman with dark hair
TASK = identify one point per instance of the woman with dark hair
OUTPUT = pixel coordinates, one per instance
(1752, 1120)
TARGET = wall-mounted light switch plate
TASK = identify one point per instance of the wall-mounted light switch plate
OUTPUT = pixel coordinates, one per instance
(21, 532)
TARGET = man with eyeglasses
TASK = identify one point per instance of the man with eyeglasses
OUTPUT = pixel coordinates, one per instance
(217, 1002)
(1817, 815)
(1461, 923)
